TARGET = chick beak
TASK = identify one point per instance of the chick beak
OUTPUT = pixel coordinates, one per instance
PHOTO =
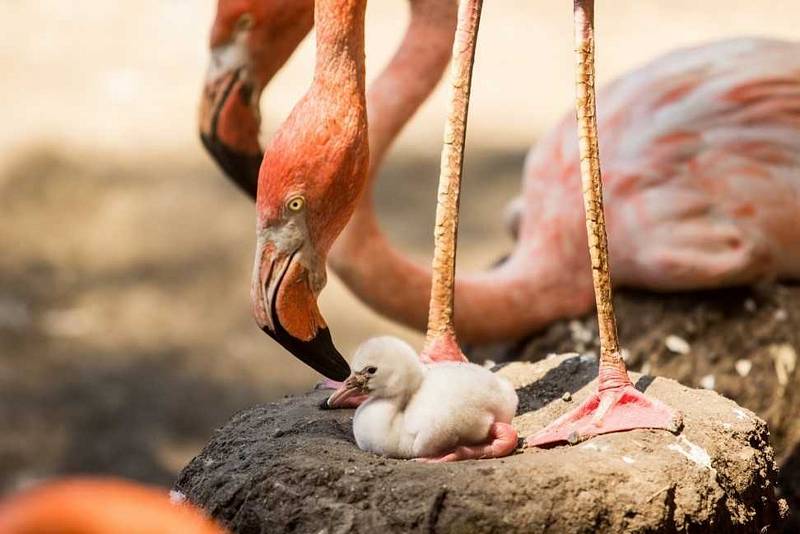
(355, 387)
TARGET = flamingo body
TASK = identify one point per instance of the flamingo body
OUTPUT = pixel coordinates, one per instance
(701, 169)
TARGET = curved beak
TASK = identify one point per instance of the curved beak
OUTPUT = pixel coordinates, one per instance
(351, 394)
(285, 307)
(229, 117)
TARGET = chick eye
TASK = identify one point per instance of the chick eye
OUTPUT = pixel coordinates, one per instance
(245, 22)
(296, 203)
(371, 370)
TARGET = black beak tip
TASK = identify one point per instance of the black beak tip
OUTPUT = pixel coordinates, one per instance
(241, 168)
(319, 353)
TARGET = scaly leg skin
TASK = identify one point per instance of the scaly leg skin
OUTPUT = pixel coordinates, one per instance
(502, 442)
(616, 407)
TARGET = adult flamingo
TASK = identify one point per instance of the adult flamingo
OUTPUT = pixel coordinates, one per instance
(251, 40)
(702, 182)
(310, 180)
(99, 506)
(229, 126)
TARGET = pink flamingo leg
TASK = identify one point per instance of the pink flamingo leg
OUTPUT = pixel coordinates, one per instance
(616, 407)
(502, 442)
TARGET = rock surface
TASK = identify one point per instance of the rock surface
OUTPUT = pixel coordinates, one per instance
(291, 467)
(742, 342)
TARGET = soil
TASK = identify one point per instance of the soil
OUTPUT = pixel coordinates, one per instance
(741, 343)
(291, 467)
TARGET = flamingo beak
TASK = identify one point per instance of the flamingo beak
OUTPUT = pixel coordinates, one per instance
(357, 384)
(285, 307)
(230, 118)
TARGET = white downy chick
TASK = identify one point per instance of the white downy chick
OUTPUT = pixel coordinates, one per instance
(417, 410)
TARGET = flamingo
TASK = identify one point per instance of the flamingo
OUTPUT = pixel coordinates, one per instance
(100, 506)
(312, 174)
(250, 41)
(701, 179)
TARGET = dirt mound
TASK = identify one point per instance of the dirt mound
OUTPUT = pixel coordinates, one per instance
(742, 343)
(291, 467)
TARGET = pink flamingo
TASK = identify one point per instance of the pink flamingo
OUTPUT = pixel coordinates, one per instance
(700, 171)
(99, 506)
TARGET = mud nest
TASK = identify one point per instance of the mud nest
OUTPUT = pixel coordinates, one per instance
(741, 342)
(291, 467)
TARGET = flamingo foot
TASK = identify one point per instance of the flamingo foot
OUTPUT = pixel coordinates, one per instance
(502, 442)
(615, 409)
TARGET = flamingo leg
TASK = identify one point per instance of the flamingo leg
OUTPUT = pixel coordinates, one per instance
(616, 406)
(502, 441)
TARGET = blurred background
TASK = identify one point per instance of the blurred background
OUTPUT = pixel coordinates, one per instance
(125, 256)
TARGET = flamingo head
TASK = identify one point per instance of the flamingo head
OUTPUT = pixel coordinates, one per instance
(250, 41)
(310, 181)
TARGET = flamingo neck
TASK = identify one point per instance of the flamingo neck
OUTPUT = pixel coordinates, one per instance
(502, 304)
(339, 70)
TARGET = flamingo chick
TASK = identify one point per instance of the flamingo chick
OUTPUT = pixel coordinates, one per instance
(438, 412)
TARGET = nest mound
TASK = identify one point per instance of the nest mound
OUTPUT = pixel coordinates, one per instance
(291, 467)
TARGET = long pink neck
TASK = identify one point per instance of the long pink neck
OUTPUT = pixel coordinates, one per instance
(383, 277)
(339, 66)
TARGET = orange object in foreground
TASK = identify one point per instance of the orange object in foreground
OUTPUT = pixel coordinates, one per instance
(100, 506)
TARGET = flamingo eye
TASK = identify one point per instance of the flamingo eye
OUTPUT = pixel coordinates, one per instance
(295, 204)
(371, 370)
(245, 22)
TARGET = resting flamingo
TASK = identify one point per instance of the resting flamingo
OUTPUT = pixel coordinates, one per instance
(701, 175)
(99, 506)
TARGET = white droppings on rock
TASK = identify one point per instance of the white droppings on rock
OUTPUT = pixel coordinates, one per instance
(780, 315)
(693, 452)
(708, 382)
(678, 345)
(726, 426)
(628, 460)
(489, 364)
(177, 497)
(743, 367)
(784, 357)
(589, 357)
(750, 305)
(594, 446)
(740, 414)
(579, 332)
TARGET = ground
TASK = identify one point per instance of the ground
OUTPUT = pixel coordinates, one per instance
(741, 343)
(292, 467)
